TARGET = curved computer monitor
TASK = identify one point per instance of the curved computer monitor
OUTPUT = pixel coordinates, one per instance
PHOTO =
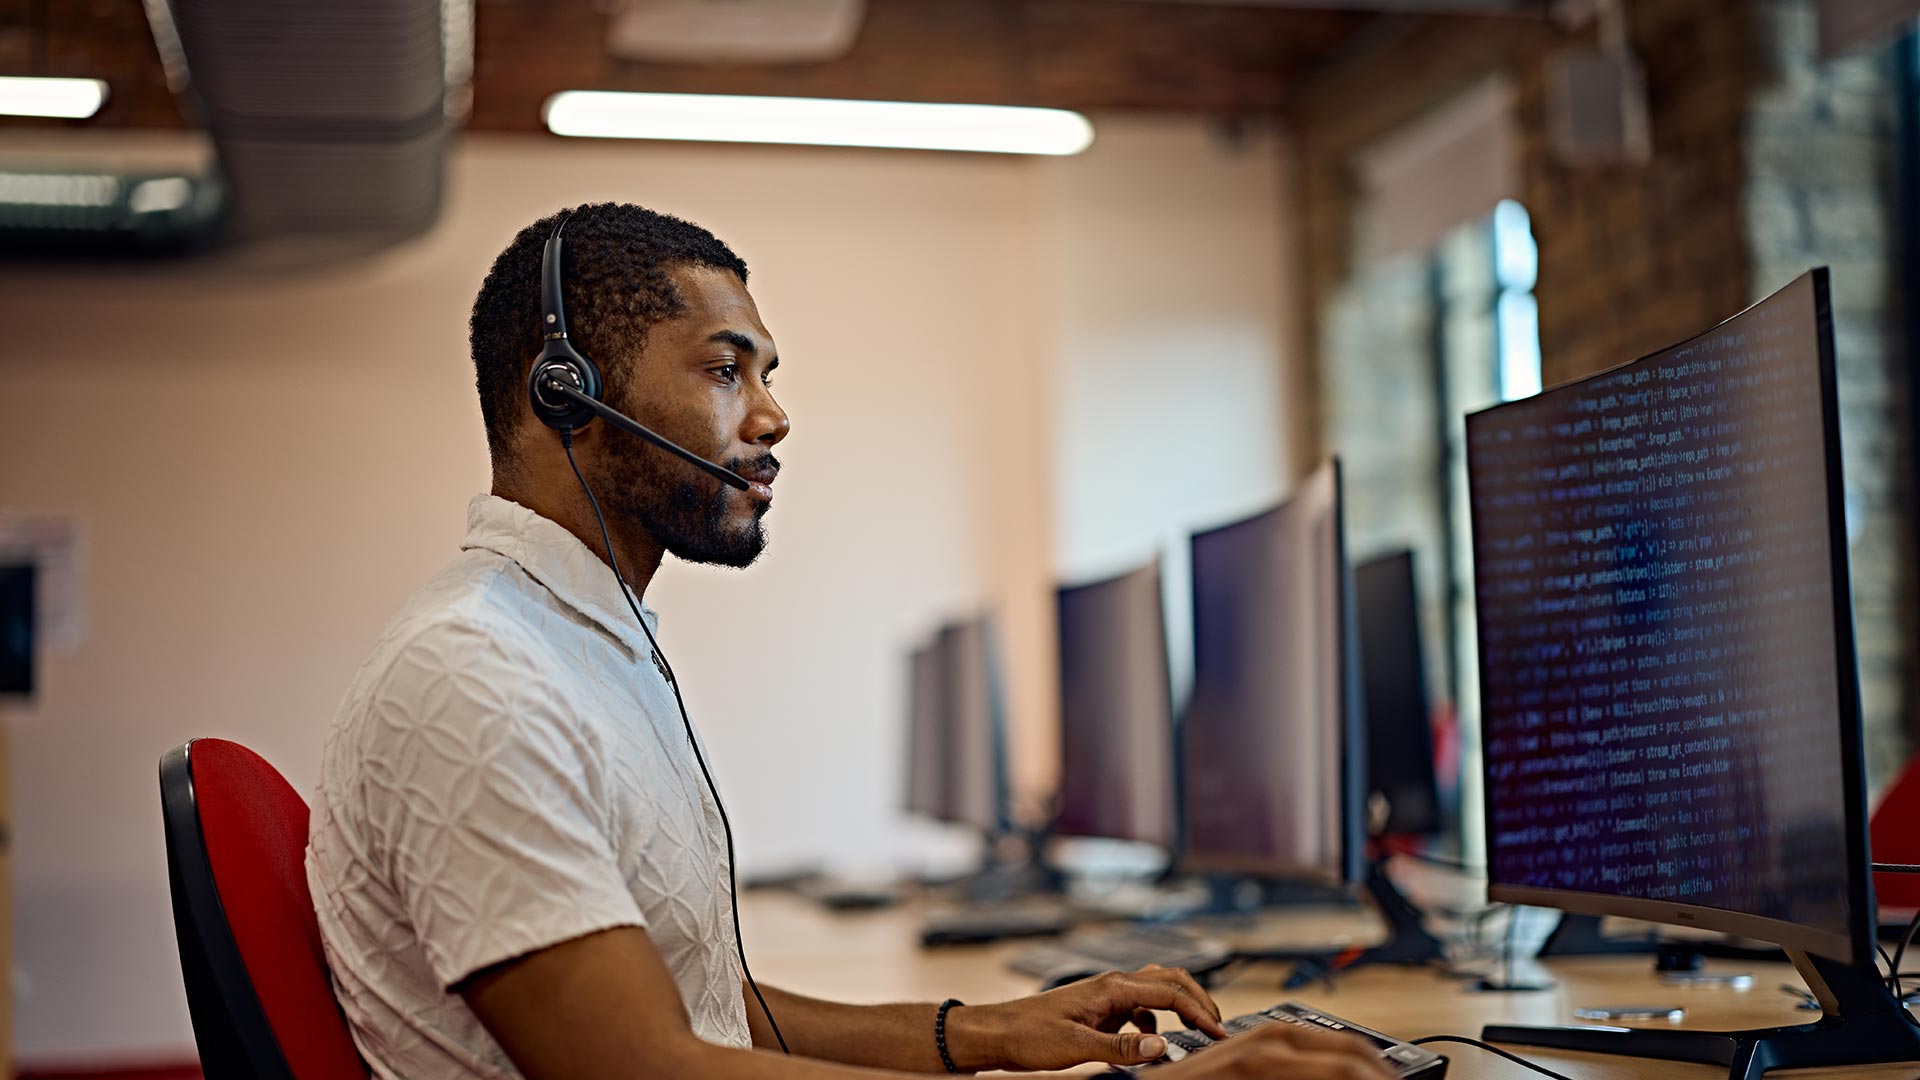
(974, 725)
(1670, 705)
(1400, 762)
(1273, 756)
(1116, 711)
(926, 793)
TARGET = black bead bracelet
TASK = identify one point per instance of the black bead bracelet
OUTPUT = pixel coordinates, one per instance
(940, 1032)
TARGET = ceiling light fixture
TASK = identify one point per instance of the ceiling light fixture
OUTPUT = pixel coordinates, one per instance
(67, 99)
(59, 189)
(898, 125)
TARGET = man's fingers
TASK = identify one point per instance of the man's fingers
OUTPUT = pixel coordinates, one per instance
(1146, 1021)
(1151, 990)
(1298, 1065)
(1185, 978)
(1123, 1048)
(1306, 1054)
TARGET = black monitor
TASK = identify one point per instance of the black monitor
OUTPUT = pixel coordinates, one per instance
(926, 793)
(973, 713)
(16, 630)
(1670, 706)
(1274, 758)
(1400, 766)
(1116, 711)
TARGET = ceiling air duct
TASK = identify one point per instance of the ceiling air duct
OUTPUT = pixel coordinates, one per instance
(330, 120)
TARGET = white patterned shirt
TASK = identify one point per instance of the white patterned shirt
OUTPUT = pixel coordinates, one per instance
(509, 772)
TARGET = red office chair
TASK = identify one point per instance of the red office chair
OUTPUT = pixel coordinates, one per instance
(1895, 832)
(257, 986)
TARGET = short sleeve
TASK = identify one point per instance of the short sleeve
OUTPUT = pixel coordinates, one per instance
(485, 804)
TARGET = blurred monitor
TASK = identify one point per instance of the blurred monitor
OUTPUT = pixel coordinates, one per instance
(973, 711)
(1274, 756)
(1670, 702)
(1116, 711)
(16, 630)
(1399, 720)
(926, 736)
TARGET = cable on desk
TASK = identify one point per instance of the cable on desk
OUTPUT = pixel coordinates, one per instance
(1906, 939)
(1515, 1058)
(1896, 868)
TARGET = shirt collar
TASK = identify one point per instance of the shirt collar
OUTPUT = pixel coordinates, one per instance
(558, 560)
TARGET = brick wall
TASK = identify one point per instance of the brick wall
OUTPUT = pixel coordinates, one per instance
(1633, 259)
(1820, 151)
(1765, 162)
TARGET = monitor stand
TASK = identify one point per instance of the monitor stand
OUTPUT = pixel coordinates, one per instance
(1408, 941)
(1579, 935)
(1861, 1025)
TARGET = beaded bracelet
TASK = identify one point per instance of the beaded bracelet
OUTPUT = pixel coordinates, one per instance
(940, 1032)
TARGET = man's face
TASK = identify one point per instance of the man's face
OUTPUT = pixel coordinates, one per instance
(702, 381)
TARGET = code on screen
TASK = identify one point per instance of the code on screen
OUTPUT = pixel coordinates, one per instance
(1657, 628)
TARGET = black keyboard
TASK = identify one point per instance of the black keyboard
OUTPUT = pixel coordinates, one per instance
(1121, 948)
(974, 926)
(1406, 1060)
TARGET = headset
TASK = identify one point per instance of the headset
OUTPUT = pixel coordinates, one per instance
(564, 386)
(564, 389)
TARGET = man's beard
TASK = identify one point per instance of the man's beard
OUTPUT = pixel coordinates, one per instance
(682, 509)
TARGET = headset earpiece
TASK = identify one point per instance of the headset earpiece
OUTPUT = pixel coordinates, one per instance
(560, 362)
(558, 359)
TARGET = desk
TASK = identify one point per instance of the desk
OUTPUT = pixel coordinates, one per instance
(876, 957)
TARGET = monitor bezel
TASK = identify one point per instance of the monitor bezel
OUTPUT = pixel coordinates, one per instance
(1856, 945)
(1170, 842)
(1353, 757)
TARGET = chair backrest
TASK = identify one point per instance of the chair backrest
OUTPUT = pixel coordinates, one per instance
(1895, 832)
(256, 976)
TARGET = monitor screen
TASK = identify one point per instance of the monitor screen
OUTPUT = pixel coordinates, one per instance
(1400, 764)
(1670, 706)
(975, 718)
(1116, 711)
(1273, 758)
(16, 630)
(926, 749)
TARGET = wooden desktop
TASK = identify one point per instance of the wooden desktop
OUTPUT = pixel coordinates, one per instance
(876, 957)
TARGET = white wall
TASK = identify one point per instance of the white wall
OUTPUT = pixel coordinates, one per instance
(257, 500)
(1172, 397)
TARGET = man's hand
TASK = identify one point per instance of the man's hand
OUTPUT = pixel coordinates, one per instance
(1081, 1022)
(1277, 1050)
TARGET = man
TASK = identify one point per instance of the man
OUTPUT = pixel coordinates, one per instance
(518, 866)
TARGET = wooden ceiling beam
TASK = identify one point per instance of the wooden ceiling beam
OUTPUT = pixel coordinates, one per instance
(1084, 54)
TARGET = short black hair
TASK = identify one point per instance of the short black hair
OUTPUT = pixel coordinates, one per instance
(615, 284)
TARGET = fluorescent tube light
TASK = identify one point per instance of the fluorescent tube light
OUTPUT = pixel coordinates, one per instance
(817, 122)
(70, 99)
(159, 195)
(59, 189)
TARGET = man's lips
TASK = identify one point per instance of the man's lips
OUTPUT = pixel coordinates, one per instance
(759, 483)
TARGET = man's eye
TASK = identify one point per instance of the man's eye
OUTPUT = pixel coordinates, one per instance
(728, 372)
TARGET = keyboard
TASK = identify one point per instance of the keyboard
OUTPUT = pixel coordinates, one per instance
(974, 926)
(840, 894)
(1406, 1060)
(1120, 948)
